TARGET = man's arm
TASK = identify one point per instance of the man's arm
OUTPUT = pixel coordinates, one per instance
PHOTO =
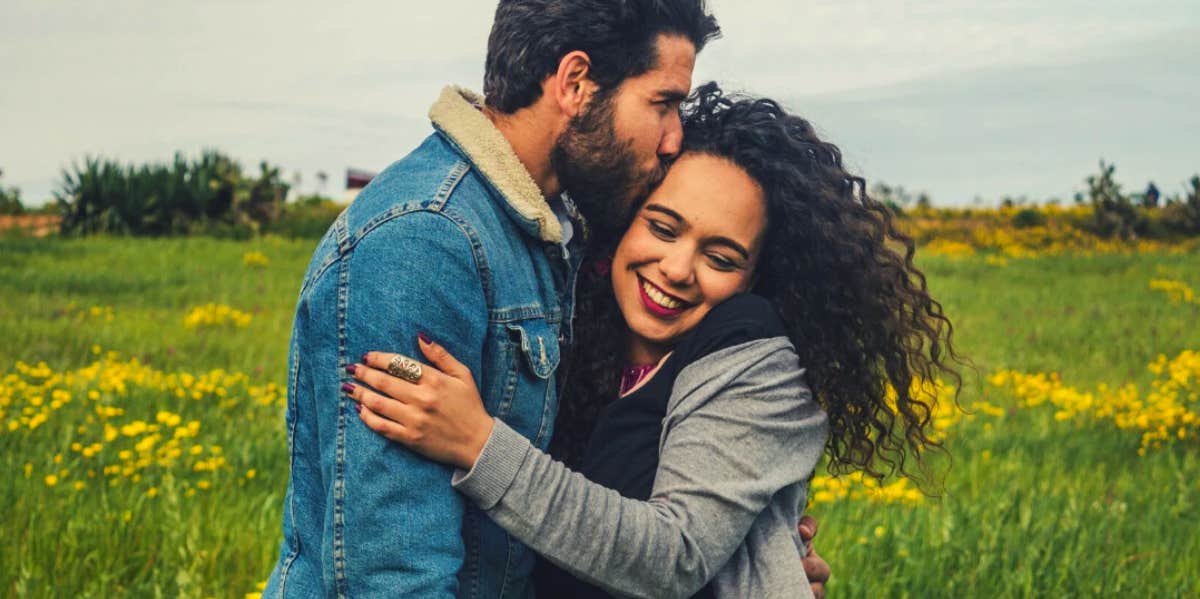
(396, 526)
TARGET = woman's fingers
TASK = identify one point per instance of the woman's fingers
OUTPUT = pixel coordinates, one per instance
(374, 373)
(380, 404)
(442, 359)
(388, 428)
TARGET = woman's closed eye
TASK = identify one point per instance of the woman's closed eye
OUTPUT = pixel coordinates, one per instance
(723, 263)
(660, 229)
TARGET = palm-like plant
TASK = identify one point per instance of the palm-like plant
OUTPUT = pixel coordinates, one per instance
(101, 196)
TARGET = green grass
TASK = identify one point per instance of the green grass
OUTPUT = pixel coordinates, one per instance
(1031, 506)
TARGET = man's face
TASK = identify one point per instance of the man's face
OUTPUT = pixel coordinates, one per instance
(620, 146)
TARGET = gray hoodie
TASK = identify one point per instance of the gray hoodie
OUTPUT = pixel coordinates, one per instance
(740, 440)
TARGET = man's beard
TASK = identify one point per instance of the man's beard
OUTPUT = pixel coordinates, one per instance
(600, 172)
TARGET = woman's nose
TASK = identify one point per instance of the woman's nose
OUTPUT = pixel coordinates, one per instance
(676, 268)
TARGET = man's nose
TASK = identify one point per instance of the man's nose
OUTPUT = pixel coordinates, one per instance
(672, 139)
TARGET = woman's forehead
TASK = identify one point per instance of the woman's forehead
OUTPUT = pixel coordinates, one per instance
(711, 193)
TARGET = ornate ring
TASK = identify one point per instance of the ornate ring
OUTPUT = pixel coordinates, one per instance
(406, 368)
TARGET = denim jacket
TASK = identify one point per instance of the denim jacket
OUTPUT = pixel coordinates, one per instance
(454, 240)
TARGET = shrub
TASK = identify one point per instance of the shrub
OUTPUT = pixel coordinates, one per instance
(1182, 215)
(10, 200)
(205, 195)
(1113, 213)
(1028, 217)
(306, 218)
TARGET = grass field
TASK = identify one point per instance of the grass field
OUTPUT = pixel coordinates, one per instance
(142, 438)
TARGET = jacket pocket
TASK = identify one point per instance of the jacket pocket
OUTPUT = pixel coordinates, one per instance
(537, 344)
(530, 409)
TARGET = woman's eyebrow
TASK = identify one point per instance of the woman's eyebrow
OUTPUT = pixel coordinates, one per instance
(719, 240)
(731, 244)
(666, 211)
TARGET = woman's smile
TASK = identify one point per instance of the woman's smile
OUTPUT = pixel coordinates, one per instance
(659, 302)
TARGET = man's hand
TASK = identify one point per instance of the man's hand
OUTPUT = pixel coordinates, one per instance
(815, 568)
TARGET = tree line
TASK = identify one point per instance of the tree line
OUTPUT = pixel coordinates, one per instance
(214, 195)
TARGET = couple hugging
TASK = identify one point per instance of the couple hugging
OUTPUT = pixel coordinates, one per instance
(630, 321)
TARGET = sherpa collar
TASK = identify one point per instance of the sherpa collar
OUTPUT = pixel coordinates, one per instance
(457, 114)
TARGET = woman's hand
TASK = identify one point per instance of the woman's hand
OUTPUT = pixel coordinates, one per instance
(441, 416)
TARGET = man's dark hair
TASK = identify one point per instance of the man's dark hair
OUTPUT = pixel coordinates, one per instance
(530, 37)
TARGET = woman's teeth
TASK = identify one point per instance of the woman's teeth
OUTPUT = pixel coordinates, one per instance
(660, 298)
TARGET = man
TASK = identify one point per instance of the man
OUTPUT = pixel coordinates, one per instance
(470, 239)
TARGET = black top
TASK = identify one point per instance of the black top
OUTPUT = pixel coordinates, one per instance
(622, 452)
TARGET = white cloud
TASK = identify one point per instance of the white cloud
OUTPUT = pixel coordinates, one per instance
(320, 86)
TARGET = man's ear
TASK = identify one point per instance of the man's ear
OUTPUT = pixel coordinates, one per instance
(571, 86)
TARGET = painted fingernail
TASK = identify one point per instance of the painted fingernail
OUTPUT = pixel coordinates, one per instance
(363, 359)
(347, 388)
(350, 369)
(357, 407)
(424, 338)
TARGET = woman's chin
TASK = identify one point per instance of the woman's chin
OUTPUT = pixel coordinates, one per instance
(655, 335)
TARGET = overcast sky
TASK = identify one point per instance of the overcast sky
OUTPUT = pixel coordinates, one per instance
(958, 99)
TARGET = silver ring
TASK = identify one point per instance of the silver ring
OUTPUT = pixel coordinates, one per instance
(405, 367)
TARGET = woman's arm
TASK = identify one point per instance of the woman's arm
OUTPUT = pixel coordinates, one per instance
(740, 426)
(730, 442)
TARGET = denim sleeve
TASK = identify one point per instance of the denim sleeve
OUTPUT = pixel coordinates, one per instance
(397, 523)
(741, 425)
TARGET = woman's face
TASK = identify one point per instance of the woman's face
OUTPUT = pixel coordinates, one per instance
(693, 244)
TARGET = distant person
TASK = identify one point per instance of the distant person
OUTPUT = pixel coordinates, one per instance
(1150, 198)
(471, 237)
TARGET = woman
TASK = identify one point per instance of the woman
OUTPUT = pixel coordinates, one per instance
(697, 453)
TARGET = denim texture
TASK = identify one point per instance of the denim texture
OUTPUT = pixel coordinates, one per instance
(433, 244)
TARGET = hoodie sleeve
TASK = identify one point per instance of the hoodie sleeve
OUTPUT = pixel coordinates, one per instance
(740, 426)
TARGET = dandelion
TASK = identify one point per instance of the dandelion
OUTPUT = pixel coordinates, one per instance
(51, 480)
(216, 315)
(256, 259)
(1168, 413)
(1177, 292)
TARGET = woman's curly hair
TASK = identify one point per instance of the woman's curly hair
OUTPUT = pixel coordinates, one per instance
(857, 310)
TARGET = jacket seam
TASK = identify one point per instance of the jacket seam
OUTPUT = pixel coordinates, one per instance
(339, 479)
(284, 570)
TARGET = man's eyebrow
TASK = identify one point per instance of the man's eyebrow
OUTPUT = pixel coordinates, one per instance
(671, 95)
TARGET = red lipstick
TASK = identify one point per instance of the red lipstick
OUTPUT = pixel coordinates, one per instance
(653, 306)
